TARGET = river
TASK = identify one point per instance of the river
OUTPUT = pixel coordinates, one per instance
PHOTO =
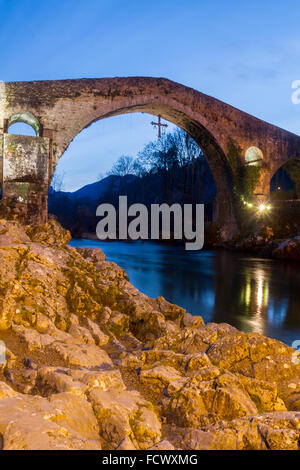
(252, 294)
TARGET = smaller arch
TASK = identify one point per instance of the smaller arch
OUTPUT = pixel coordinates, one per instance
(26, 117)
(286, 179)
(254, 157)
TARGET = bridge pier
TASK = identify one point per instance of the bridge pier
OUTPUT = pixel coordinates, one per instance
(24, 163)
(262, 190)
(224, 216)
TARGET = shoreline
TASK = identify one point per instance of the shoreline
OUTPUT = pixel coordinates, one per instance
(287, 249)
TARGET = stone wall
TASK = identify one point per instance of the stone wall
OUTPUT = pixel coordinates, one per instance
(25, 173)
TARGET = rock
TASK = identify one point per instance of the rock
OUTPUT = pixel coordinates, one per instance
(81, 333)
(150, 326)
(8, 375)
(125, 414)
(6, 391)
(264, 394)
(204, 374)
(84, 355)
(118, 323)
(256, 356)
(197, 407)
(194, 341)
(165, 358)
(170, 311)
(78, 416)
(126, 444)
(159, 377)
(92, 359)
(29, 363)
(51, 380)
(42, 323)
(50, 233)
(105, 380)
(196, 361)
(267, 431)
(99, 337)
(34, 423)
(288, 249)
(32, 338)
(163, 445)
(12, 233)
(94, 255)
(193, 321)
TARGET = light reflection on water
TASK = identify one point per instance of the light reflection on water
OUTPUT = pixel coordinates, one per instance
(252, 294)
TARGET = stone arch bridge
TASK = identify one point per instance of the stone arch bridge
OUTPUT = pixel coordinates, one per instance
(59, 110)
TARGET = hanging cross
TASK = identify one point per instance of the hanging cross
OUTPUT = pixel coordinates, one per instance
(160, 125)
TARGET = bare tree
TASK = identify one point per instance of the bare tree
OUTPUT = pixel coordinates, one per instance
(175, 149)
(123, 166)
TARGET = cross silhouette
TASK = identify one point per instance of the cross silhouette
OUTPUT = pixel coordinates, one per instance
(159, 124)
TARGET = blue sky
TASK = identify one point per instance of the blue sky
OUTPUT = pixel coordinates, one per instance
(244, 53)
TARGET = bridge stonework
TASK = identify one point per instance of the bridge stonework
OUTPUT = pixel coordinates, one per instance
(63, 108)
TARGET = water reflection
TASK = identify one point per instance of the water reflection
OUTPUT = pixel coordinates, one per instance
(250, 293)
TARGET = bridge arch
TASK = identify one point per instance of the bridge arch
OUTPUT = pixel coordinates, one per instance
(216, 158)
(287, 177)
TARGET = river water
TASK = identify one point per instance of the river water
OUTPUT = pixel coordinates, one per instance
(252, 294)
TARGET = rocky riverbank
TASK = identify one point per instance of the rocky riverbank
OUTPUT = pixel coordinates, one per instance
(284, 249)
(92, 363)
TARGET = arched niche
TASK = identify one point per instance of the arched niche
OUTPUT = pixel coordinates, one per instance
(254, 157)
(25, 117)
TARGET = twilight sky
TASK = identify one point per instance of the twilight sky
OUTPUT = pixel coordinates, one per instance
(244, 53)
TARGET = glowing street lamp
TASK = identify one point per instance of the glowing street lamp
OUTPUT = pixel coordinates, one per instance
(262, 208)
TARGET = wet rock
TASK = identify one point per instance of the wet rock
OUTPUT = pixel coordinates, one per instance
(288, 249)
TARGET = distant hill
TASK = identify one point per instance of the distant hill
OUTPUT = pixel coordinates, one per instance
(95, 191)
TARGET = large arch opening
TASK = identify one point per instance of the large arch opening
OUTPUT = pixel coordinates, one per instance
(223, 211)
(285, 183)
(182, 176)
